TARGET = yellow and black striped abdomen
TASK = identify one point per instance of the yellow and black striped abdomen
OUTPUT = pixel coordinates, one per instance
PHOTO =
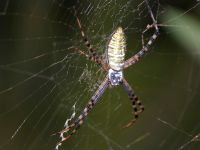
(116, 50)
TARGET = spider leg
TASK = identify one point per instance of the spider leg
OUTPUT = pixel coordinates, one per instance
(151, 40)
(136, 103)
(92, 52)
(79, 121)
(148, 27)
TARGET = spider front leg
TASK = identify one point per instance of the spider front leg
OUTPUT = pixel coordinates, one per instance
(136, 103)
(79, 121)
(151, 40)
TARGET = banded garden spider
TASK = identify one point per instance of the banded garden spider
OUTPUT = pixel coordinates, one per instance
(114, 66)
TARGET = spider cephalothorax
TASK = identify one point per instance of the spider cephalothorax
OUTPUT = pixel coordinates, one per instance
(113, 66)
(115, 77)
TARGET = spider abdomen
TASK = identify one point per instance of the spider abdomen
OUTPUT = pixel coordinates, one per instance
(116, 50)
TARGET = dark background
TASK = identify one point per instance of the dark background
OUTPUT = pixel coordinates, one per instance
(39, 85)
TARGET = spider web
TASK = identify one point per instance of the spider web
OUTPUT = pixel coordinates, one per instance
(42, 77)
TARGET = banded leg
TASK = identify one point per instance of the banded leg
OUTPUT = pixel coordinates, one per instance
(92, 52)
(79, 121)
(146, 47)
(136, 103)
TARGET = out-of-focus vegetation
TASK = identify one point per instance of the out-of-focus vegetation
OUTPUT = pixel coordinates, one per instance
(188, 29)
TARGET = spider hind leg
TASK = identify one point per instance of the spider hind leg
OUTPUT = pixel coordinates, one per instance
(145, 47)
(93, 56)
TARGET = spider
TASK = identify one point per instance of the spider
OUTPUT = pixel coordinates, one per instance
(113, 65)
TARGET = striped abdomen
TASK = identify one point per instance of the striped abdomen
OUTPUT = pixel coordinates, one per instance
(116, 50)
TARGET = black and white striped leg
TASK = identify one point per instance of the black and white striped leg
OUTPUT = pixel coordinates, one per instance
(151, 40)
(92, 52)
(141, 53)
(153, 25)
(143, 32)
(136, 103)
(79, 121)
